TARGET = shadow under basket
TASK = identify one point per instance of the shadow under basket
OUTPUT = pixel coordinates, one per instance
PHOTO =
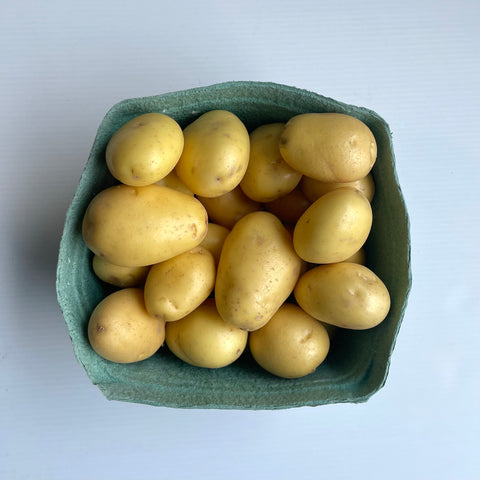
(358, 362)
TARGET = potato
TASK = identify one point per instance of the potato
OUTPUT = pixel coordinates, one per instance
(358, 257)
(314, 189)
(346, 295)
(230, 207)
(138, 226)
(291, 345)
(268, 176)
(257, 271)
(145, 149)
(204, 339)
(214, 240)
(119, 276)
(180, 284)
(290, 207)
(215, 154)
(172, 181)
(330, 147)
(121, 330)
(334, 227)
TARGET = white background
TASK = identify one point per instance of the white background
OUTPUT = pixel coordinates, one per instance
(64, 64)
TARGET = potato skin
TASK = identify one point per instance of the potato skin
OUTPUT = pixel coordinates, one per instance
(215, 154)
(121, 330)
(346, 295)
(334, 227)
(214, 240)
(177, 286)
(204, 339)
(257, 271)
(268, 176)
(330, 147)
(291, 345)
(121, 277)
(290, 207)
(138, 226)
(145, 149)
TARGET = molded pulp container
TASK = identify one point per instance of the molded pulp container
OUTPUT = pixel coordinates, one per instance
(358, 362)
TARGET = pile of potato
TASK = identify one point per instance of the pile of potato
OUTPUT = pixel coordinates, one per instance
(211, 230)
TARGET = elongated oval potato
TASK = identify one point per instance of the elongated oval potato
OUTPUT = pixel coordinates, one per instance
(330, 147)
(346, 295)
(334, 227)
(177, 286)
(257, 271)
(121, 330)
(145, 149)
(204, 339)
(290, 207)
(119, 276)
(230, 207)
(215, 154)
(214, 240)
(314, 189)
(291, 345)
(138, 226)
(268, 176)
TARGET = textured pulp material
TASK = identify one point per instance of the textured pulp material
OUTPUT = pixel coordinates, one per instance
(357, 365)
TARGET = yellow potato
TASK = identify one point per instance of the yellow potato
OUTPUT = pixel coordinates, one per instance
(344, 294)
(358, 257)
(330, 147)
(257, 271)
(290, 207)
(204, 339)
(145, 149)
(291, 345)
(334, 227)
(119, 276)
(213, 242)
(172, 181)
(215, 154)
(121, 330)
(314, 189)
(180, 284)
(268, 176)
(230, 207)
(138, 226)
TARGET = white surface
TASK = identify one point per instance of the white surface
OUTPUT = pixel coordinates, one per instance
(63, 64)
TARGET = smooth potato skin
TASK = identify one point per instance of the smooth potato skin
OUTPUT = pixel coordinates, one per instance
(268, 176)
(257, 271)
(290, 207)
(291, 345)
(334, 227)
(204, 339)
(121, 277)
(121, 330)
(138, 226)
(145, 149)
(346, 295)
(215, 154)
(177, 286)
(330, 147)
(214, 240)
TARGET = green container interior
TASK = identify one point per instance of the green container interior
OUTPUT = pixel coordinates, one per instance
(357, 365)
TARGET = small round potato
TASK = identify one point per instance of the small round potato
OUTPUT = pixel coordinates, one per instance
(291, 345)
(346, 295)
(314, 189)
(215, 154)
(290, 207)
(138, 226)
(257, 271)
(172, 181)
(268, 176)
(121, 330)
(229, 208)
(180, 284)
(204, 339)
(330, 147)
(145, 149)
(119, 276)
(214, 240)
(334, 227)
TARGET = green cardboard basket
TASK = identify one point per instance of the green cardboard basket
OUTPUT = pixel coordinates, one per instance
(358, 363)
